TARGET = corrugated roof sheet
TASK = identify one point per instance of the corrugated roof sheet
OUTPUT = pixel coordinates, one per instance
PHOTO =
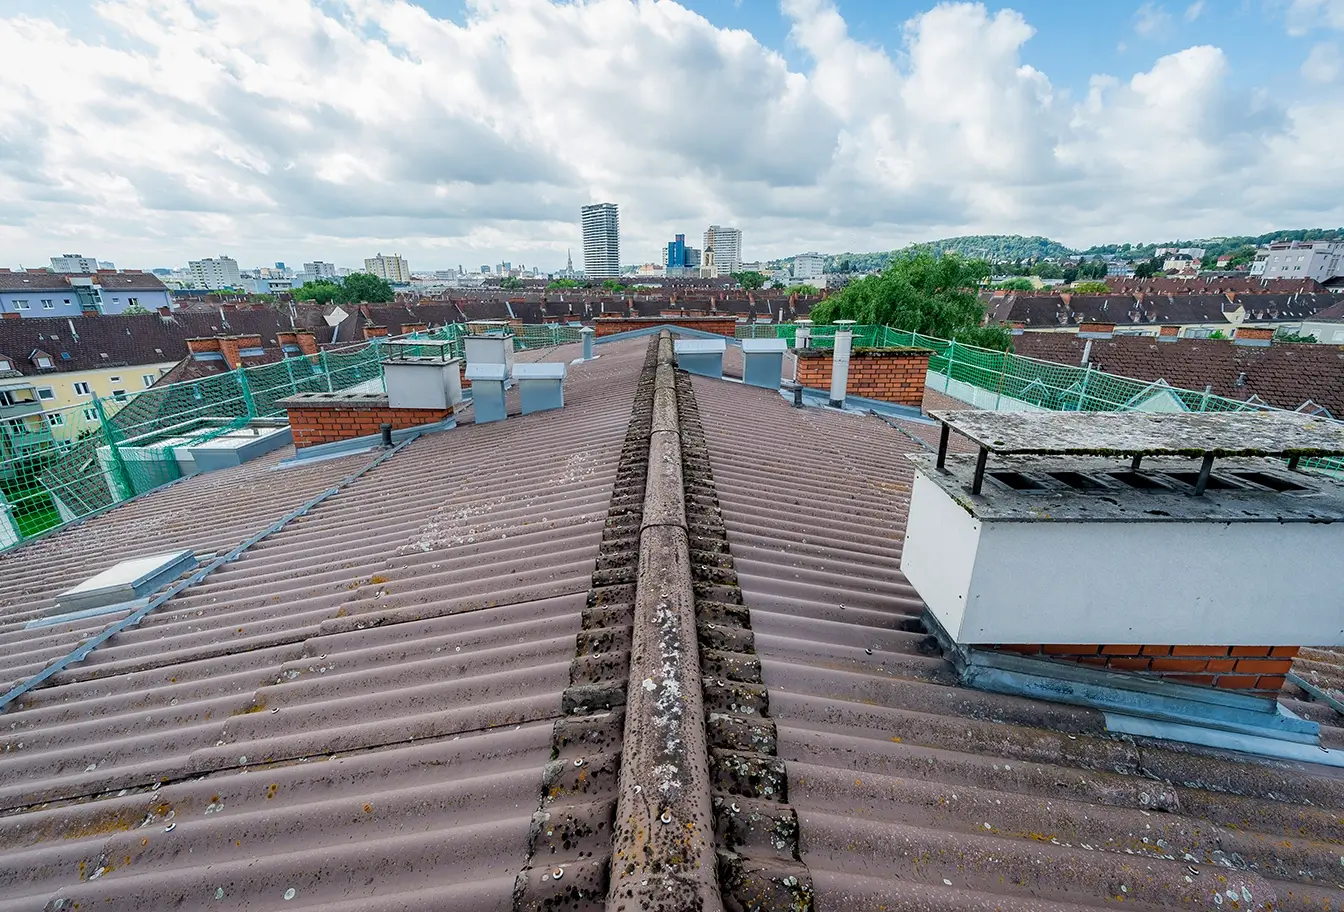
(359, 712)
(915, 793)
(355, 714)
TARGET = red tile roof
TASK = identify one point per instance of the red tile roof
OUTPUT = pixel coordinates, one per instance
(1283, 374)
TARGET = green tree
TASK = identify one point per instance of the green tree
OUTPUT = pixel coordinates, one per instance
(322, 291)
(1287, 335)
(1091, 287)
(920, 292)
(557, 284)
(613, 285)
(1047, 271)
(1148, 268)
(134, 310)
(362, 288)
(1070, 274)
(750, 281)
(807, 291)
(1092, 269)
(1015, 284)
(511, 283)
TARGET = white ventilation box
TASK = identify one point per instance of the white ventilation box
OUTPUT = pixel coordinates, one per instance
(1130, 528)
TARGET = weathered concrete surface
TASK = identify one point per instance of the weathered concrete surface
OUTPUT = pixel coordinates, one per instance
(663, 842)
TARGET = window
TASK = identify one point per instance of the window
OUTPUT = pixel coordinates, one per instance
(66, 301)
(5, 365)
(20, 305)
(48, 304)
(119, 395)
(132, 302)
(46, 392)
(82, 389)
(90, 414)
(56, 419)
(148, 379)
(113, 379)
(43, 362)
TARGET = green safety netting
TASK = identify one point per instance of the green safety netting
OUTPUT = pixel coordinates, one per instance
(60, 465)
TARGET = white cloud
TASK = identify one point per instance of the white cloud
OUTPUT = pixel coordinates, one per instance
(1323, 64)
(293, 129)
(1151, 20)
(1304, 15)
(1193, 11)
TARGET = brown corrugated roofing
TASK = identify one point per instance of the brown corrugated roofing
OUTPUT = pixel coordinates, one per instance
(356, 713)
(914, 793)
(365, 710)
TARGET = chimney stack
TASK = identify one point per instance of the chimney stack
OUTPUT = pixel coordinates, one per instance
(844, 342)
(1168, 333)
(1092, 330)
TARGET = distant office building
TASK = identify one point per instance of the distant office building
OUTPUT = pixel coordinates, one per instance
(676, 252)
(74, 263)
(219, 272)
(807, 269)
(601, 241)
(727, 246)
(485, 270)
(106, 266)
(1319, 260)
(320, 270)
(392, 268)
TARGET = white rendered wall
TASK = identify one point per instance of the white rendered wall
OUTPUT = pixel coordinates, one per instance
(1123, 582)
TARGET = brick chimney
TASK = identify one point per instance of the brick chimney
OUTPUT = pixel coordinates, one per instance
(1252, 335)
(235, 348)
(1168, 333)
(407, 328)
(1096, 330)
(204, 349)
(374, 332)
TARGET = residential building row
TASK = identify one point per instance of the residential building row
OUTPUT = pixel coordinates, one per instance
(41, 293)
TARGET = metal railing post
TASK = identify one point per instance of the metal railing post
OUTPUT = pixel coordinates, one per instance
(1087, 378)
(951, 358)
(326, 371)
(246, 390)
(118, 464)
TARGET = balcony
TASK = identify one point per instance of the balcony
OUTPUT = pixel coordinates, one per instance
(19, 409)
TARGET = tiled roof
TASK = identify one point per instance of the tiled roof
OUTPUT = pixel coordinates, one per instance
(112, 341)
(1283, 374)
(1149, 309)
(360, 712)
(41, 280)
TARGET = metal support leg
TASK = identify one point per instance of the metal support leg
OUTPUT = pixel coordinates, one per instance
(1204, 471)
(1292, 463)
(942, 445)
(1134, 463)
(979, 481)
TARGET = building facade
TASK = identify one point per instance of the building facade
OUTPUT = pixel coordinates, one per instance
(1319, 260)
(39, 293)
(727, 246)
(215, 273)
(808, 268)
(74, 263)
(392, 269)
(601, 241)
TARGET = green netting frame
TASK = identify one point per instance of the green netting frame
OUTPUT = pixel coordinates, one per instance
(60, 465)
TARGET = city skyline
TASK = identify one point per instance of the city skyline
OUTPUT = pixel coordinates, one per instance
(153, 133)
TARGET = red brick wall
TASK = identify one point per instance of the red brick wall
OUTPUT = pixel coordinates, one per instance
(885, 374)
(608, 326)
(325, 424)
(374, 332)
(230, 346)
(1252, 668)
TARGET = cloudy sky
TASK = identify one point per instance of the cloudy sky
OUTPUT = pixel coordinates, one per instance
(470, 131)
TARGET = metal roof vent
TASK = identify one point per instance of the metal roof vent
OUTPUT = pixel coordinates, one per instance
(122, 583)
